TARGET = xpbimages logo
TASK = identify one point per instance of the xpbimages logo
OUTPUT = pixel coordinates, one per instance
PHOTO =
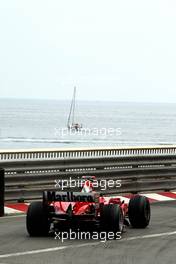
(86, 235)
(86, 131)
(102, 184)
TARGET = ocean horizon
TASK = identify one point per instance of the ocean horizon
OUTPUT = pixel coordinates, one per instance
(42, 123)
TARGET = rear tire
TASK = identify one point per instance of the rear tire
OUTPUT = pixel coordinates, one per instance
(139, 211)
(37, 222)
(111, 218)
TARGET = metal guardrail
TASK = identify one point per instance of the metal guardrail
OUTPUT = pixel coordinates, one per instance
(32, 154)
(28, 173)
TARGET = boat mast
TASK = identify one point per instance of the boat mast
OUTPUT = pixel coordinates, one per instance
(74, 101)
(72, 110)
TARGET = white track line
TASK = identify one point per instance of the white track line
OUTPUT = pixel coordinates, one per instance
(17, 254)
(47, 250)
(151, 236)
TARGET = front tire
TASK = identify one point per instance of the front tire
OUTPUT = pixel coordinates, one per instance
(37, 222)
(139, 211)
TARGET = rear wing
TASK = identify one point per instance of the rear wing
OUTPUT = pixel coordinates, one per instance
(56, 196)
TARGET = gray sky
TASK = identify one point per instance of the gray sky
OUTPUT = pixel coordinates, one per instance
(111, 50)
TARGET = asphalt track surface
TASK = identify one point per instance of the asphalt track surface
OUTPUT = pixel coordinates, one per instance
(155, 244)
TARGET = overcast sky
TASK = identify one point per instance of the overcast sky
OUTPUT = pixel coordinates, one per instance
(111, 50)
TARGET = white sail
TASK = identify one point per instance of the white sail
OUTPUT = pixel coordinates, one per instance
(71, 124)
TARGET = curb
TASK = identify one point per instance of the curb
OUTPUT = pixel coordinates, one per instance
(18, 208)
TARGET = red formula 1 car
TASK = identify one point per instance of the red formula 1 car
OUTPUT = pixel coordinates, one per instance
(67, 209)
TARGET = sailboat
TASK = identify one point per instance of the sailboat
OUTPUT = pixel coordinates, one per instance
(71, 124)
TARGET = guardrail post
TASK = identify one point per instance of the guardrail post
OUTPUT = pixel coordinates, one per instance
(2, 187)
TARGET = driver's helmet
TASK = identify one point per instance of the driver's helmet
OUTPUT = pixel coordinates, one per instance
(87, 186)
